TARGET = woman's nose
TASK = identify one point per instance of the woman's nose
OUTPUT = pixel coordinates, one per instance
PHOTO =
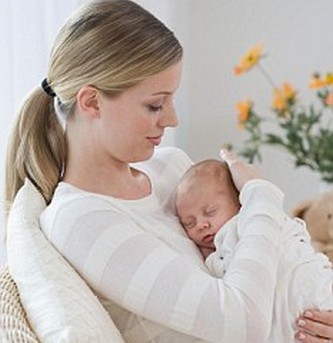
(169, 118)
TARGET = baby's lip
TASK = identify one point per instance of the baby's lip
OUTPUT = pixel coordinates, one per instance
(208, 238)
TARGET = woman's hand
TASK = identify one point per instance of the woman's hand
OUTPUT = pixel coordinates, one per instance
(241, 172)
(315, 326)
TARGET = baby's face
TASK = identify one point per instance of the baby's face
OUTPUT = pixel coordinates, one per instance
(202, 211)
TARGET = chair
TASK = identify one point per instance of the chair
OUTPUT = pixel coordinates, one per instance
(60, 305)
(14, 325)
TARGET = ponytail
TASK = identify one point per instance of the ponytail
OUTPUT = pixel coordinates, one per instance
(111, 45)
(36, 148)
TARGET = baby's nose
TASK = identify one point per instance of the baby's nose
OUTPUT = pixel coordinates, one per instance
(205, 225)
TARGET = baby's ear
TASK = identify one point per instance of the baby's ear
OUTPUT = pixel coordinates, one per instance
(300, 210)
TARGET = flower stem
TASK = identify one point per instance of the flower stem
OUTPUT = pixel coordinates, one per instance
(267, 76)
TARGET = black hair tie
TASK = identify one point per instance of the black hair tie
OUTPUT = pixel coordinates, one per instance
(47, 88)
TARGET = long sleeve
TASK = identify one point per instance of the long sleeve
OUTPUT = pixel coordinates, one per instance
(138, 256)
(251, 278)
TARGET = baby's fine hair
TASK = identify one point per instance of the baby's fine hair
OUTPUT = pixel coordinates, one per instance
(212, 170)
(109, 44)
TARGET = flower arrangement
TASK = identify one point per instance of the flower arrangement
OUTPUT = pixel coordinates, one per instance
(304, 131)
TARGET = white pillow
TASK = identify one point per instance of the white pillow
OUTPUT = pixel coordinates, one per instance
(60, 307)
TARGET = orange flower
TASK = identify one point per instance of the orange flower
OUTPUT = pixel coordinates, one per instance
(279, 101)
(329, 99)
(244, 108)
(251, 58)
(288, 91)
(316, 82)
(283, 96)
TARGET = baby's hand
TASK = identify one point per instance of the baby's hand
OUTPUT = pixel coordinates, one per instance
(241, 172)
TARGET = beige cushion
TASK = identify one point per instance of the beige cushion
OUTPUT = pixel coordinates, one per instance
(60, 306)
(14, 326)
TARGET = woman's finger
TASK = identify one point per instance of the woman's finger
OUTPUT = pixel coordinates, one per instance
(322, 316)
(241, 172)
(314, 331)
(304, 337)
(228, 156)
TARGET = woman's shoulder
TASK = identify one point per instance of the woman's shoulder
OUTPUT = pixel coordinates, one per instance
(75, 202)
(74, 210)
(71, 202)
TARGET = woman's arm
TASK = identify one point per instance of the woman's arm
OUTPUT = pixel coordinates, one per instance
(144, 274)
(127, 260)
(315, 327)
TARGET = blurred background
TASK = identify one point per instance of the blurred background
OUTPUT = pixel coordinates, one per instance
(215, 34)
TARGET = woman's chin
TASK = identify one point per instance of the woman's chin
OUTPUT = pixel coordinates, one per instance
(144, 156)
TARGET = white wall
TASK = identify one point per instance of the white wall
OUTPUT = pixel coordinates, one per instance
(215, 34)
(298, 40)
(27, 30)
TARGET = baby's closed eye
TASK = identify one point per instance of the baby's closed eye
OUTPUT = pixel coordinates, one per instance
(210, 212)
(189, 224)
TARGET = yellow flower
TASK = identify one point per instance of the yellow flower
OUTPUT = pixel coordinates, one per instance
(302, 132)
(329, 99)
(244, 108)
(251, 58)
(283, 96)
(329, 79)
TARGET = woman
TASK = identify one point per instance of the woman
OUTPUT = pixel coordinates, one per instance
(113, 72)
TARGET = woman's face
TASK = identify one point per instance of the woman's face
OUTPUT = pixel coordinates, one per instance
(132, 124)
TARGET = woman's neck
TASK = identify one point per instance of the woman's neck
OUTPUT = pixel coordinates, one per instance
(130, 184)
(91, 168)
(114, 178)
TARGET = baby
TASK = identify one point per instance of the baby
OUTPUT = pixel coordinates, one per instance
(206, 200)
(210, 211)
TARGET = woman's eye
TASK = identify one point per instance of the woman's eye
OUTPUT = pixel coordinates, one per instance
(155, 108)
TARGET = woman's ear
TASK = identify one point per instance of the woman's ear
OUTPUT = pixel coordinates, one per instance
(87, 100)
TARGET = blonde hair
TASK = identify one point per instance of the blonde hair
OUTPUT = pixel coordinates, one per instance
(109, 44)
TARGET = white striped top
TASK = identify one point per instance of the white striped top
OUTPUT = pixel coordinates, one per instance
(135, 255)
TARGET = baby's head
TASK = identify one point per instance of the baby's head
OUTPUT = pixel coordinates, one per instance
(206, 199)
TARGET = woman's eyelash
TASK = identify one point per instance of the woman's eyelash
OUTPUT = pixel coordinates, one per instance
(154, 108)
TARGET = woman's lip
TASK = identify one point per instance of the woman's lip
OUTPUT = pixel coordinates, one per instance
(155, 140)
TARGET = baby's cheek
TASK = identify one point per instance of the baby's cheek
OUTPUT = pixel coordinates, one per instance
(194, 236)
(191, 234)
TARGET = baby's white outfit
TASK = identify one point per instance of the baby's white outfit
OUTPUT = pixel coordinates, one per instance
(304, 279)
